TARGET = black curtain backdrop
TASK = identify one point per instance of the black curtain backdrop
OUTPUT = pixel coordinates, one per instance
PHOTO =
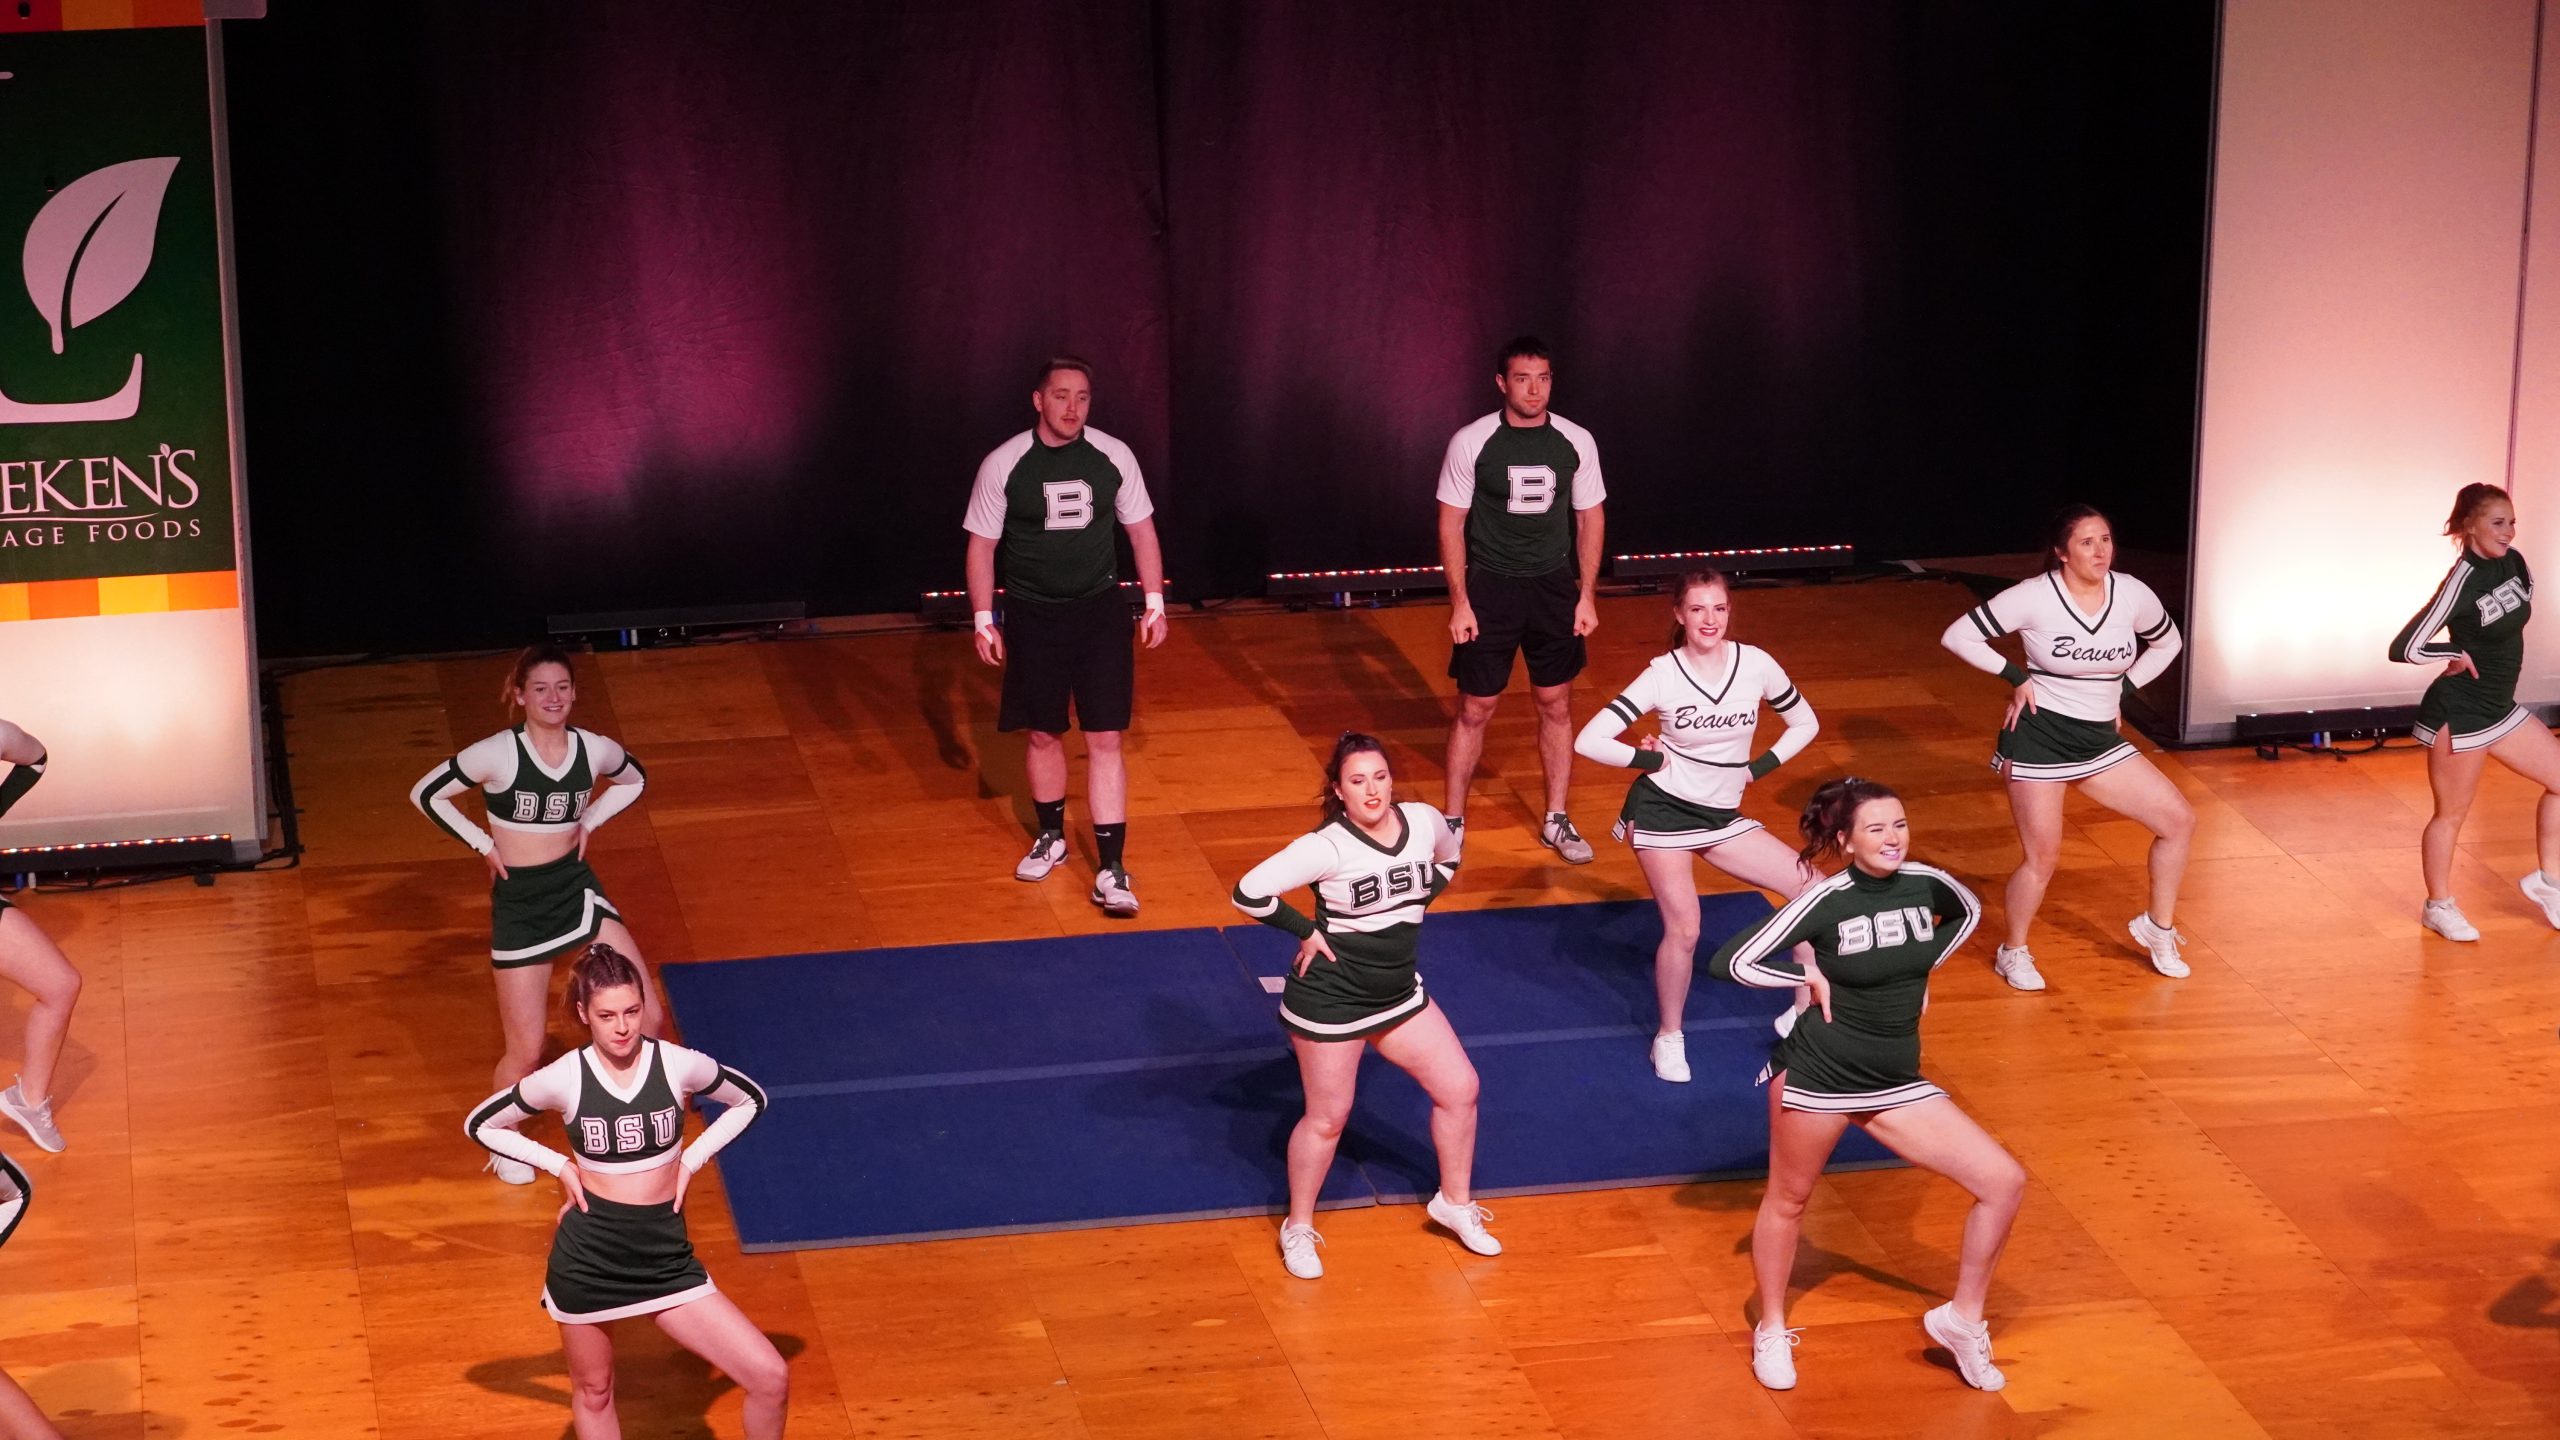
(596, 306)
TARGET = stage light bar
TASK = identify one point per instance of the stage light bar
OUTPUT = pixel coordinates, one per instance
(115, 854)
(632, 626)
(1754, 559)
(944, 605)
(1375, 580)
(2317, 726)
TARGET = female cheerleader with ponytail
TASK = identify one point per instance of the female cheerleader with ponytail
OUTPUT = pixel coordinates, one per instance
(1878, 928)
(621, 1250)
(2470, 712)
(544, 901)
(1708, 690)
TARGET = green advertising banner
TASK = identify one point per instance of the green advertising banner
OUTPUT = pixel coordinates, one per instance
(115, 444)
(125, 640)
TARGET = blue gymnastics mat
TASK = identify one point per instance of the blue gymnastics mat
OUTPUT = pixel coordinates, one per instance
(1006, 1086)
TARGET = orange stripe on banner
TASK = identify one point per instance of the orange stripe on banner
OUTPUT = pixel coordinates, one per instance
(133, 594)
(119, 594)
(205, 590)
(60, 599)
(99, 14)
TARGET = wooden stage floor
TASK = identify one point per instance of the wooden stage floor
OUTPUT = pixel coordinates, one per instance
(2311, 1191)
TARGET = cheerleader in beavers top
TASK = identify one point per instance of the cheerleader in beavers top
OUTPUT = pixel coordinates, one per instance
(621, 1250)
(2470, 712)
(1707, 691)
(1375, 866)
(2090, 635)
(543, 900)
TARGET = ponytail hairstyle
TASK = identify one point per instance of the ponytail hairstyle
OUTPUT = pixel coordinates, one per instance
(529, 659)
(2467, 503)
(599, 968)
(1691, 580)
(1830, 813)
(2057, 532)
(1352, 743)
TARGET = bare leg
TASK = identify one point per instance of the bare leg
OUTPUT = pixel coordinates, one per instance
(1466, 747)
(1935, 1135)
(1330, 1071)
(1676, 958)
(2138, 791)
(524, 1010)
(2037, 804)
(1044, 760)
(653, 1011)
(2534, 753)
(29, 959)
(1555, 742)
(590, 1352)
(1800, 1144)
(19, 1417)
(1759, 858)
(714, 1328)
(1425, 1048)
(1106, 777)
(2455, 779)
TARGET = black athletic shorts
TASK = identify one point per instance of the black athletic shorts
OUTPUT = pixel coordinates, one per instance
(1531, 617)
(1068, 650)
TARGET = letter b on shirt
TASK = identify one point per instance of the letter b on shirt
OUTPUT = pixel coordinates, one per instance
(1533, 490)
(1070, 504)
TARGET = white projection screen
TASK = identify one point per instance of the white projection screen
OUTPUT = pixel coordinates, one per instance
(2366, 294)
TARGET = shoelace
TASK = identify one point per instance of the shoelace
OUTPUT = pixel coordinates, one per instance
(1763, 1339)
(1307, 1232)
(1481, 1214)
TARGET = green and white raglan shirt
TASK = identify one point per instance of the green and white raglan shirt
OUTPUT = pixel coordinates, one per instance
(1050, 509)
(1513, 482)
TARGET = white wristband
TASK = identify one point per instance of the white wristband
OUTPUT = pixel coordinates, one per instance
(1155, 602)
(984, 621)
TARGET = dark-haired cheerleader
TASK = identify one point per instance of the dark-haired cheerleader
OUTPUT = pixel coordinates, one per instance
(1375, 866)
(1878, 929)
(2090, 635)
(621, 1250)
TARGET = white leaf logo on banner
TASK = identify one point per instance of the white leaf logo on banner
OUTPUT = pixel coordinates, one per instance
(91, 243)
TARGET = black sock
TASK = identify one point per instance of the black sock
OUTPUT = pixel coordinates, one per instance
(1051, 814)
(1107, 841)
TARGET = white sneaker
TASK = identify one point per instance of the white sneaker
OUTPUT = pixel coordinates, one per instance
(1773, 1357)
(1113, 892)
(514, 1172)
(1298, 1251)
(33, 1116)
(1671, 1058)
(1048, 852)
(2163, 945)
(1466, 1222)
(2542, 892)
(2446, 919)
(1969, 1342)
(2017, 967)
(1559, 835)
